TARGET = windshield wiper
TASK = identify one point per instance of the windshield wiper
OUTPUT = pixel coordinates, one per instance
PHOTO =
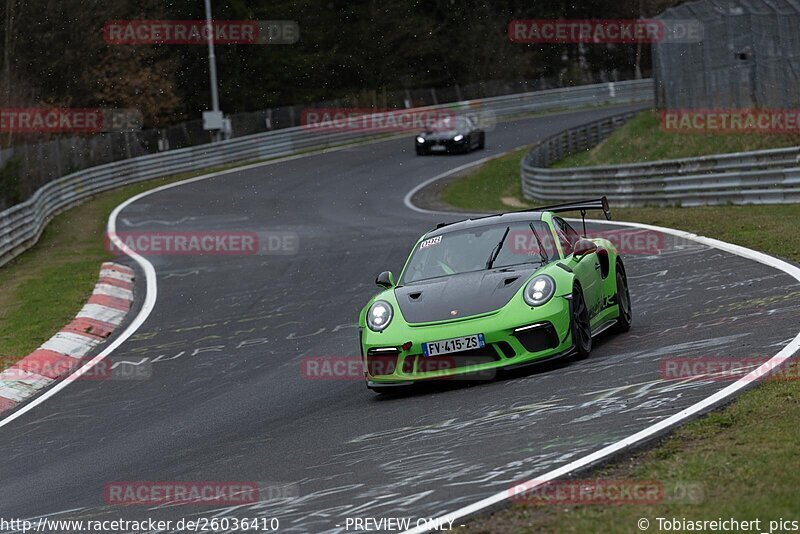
(542, 251)
(496, 250)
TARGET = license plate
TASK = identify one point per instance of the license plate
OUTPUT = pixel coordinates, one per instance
(457, 344)
(438, 148)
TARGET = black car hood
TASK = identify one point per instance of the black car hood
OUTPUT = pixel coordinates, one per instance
(460, 295)
(440, 135)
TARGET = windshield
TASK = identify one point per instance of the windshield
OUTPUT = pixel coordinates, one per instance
(451, 123)
(476, 249)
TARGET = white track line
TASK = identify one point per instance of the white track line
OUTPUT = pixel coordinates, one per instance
(410, 205)
(151, 292)
(150, 272)
(651, 430)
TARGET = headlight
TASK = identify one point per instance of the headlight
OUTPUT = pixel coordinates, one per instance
(458, 138)
(539, 290)
(420, 139)
(379, 315)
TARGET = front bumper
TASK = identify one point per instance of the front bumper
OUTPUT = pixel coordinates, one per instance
(443, 145)
(511, 339)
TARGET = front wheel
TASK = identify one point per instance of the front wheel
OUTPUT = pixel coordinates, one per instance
(581, 328)
(467, 145)
(623, 302)
(482, 142)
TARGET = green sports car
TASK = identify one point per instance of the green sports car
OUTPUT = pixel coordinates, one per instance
(493, 292)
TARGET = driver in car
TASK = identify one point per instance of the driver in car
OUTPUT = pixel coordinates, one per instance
(460, 258)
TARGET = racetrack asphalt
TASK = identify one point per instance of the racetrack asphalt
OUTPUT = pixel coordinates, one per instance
(226, 400)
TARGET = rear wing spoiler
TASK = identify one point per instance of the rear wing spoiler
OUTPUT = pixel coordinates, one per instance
(581, 205)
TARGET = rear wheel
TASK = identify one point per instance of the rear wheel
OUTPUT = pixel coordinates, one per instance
(581, 328)
(623, 301)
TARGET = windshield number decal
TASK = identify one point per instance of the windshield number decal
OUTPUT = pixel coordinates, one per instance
(430, 242)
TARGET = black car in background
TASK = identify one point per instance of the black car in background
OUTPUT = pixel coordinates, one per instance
(453, 134)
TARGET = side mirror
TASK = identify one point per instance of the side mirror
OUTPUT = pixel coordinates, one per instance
(385, 280)
(582, 248)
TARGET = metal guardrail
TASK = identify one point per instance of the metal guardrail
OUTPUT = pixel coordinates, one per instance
(574, 140)
(32, 160)
(22, 225)
(757, 177)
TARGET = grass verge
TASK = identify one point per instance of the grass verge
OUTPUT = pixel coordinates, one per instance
(641, 140)
(495, 186)
(43, 288)
(743, 456)
(490, 187)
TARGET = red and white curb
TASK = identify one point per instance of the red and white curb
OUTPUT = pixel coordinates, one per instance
(103, 313)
